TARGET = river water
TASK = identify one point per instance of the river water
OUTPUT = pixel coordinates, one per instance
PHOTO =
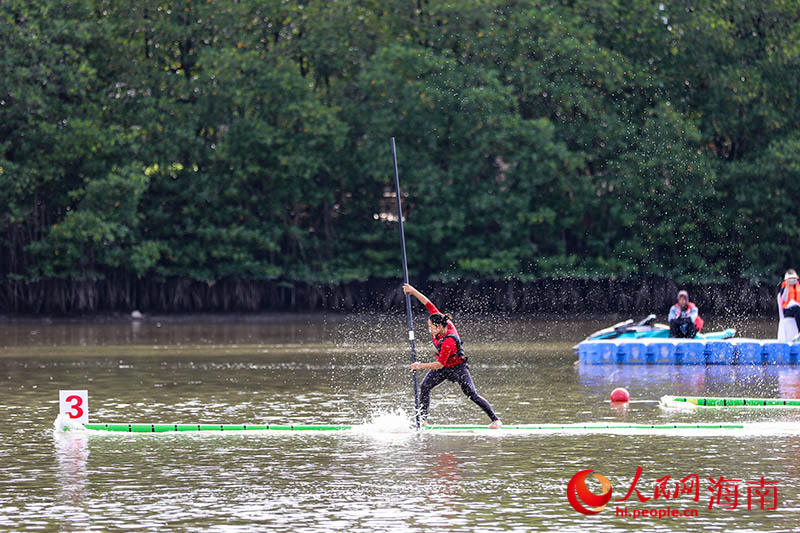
(379, 477)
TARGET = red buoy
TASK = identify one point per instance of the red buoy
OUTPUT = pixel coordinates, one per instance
(620, 395)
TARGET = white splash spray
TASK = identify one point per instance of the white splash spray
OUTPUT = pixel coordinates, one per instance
(63, 424)
(391, 422)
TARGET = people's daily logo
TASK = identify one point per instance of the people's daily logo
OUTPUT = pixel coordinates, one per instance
(580, 496)
(723, 492)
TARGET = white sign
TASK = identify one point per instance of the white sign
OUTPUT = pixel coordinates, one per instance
(74, 404)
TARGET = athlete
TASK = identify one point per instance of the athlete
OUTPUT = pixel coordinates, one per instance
(451, 363)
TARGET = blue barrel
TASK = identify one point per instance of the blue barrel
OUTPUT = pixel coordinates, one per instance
(776, 353)
(719, 353)
(748, 353)
(597, 352)
(663, 353)
(633, 353)
(690, 353)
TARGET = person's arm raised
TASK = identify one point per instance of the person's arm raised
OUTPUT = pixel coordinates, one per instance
(429, 305)
(408, 289)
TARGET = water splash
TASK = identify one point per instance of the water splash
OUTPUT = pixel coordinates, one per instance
(387, 422)
(63, 424)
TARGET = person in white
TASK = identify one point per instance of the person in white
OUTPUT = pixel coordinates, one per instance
(789, 303)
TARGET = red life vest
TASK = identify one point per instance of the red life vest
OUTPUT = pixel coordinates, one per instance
(698, 322)
(459, 353)
(793, 293)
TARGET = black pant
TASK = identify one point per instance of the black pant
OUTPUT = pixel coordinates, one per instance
(793, 312)
(457, 374)
(682, 328)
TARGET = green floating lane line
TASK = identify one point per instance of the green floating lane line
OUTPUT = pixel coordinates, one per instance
(163, 428)
(310, 428)
(595, 426)
(736, 402)
(109, 427)
(462, 427)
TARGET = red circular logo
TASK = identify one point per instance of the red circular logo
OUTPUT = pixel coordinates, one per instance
(579, 495)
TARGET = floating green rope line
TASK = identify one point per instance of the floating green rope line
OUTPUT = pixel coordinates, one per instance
(700, 401)
(165, 428)
(162, 428)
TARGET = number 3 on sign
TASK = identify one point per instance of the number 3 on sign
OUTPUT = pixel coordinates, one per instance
(74, 404)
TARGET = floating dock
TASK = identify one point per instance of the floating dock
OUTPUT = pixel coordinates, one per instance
(700, 401)
(688, 352)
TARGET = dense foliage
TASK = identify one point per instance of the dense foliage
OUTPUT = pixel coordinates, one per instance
(249, 140)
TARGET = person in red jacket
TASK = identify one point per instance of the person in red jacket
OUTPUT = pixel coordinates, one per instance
(451, 363)
(684, 318)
